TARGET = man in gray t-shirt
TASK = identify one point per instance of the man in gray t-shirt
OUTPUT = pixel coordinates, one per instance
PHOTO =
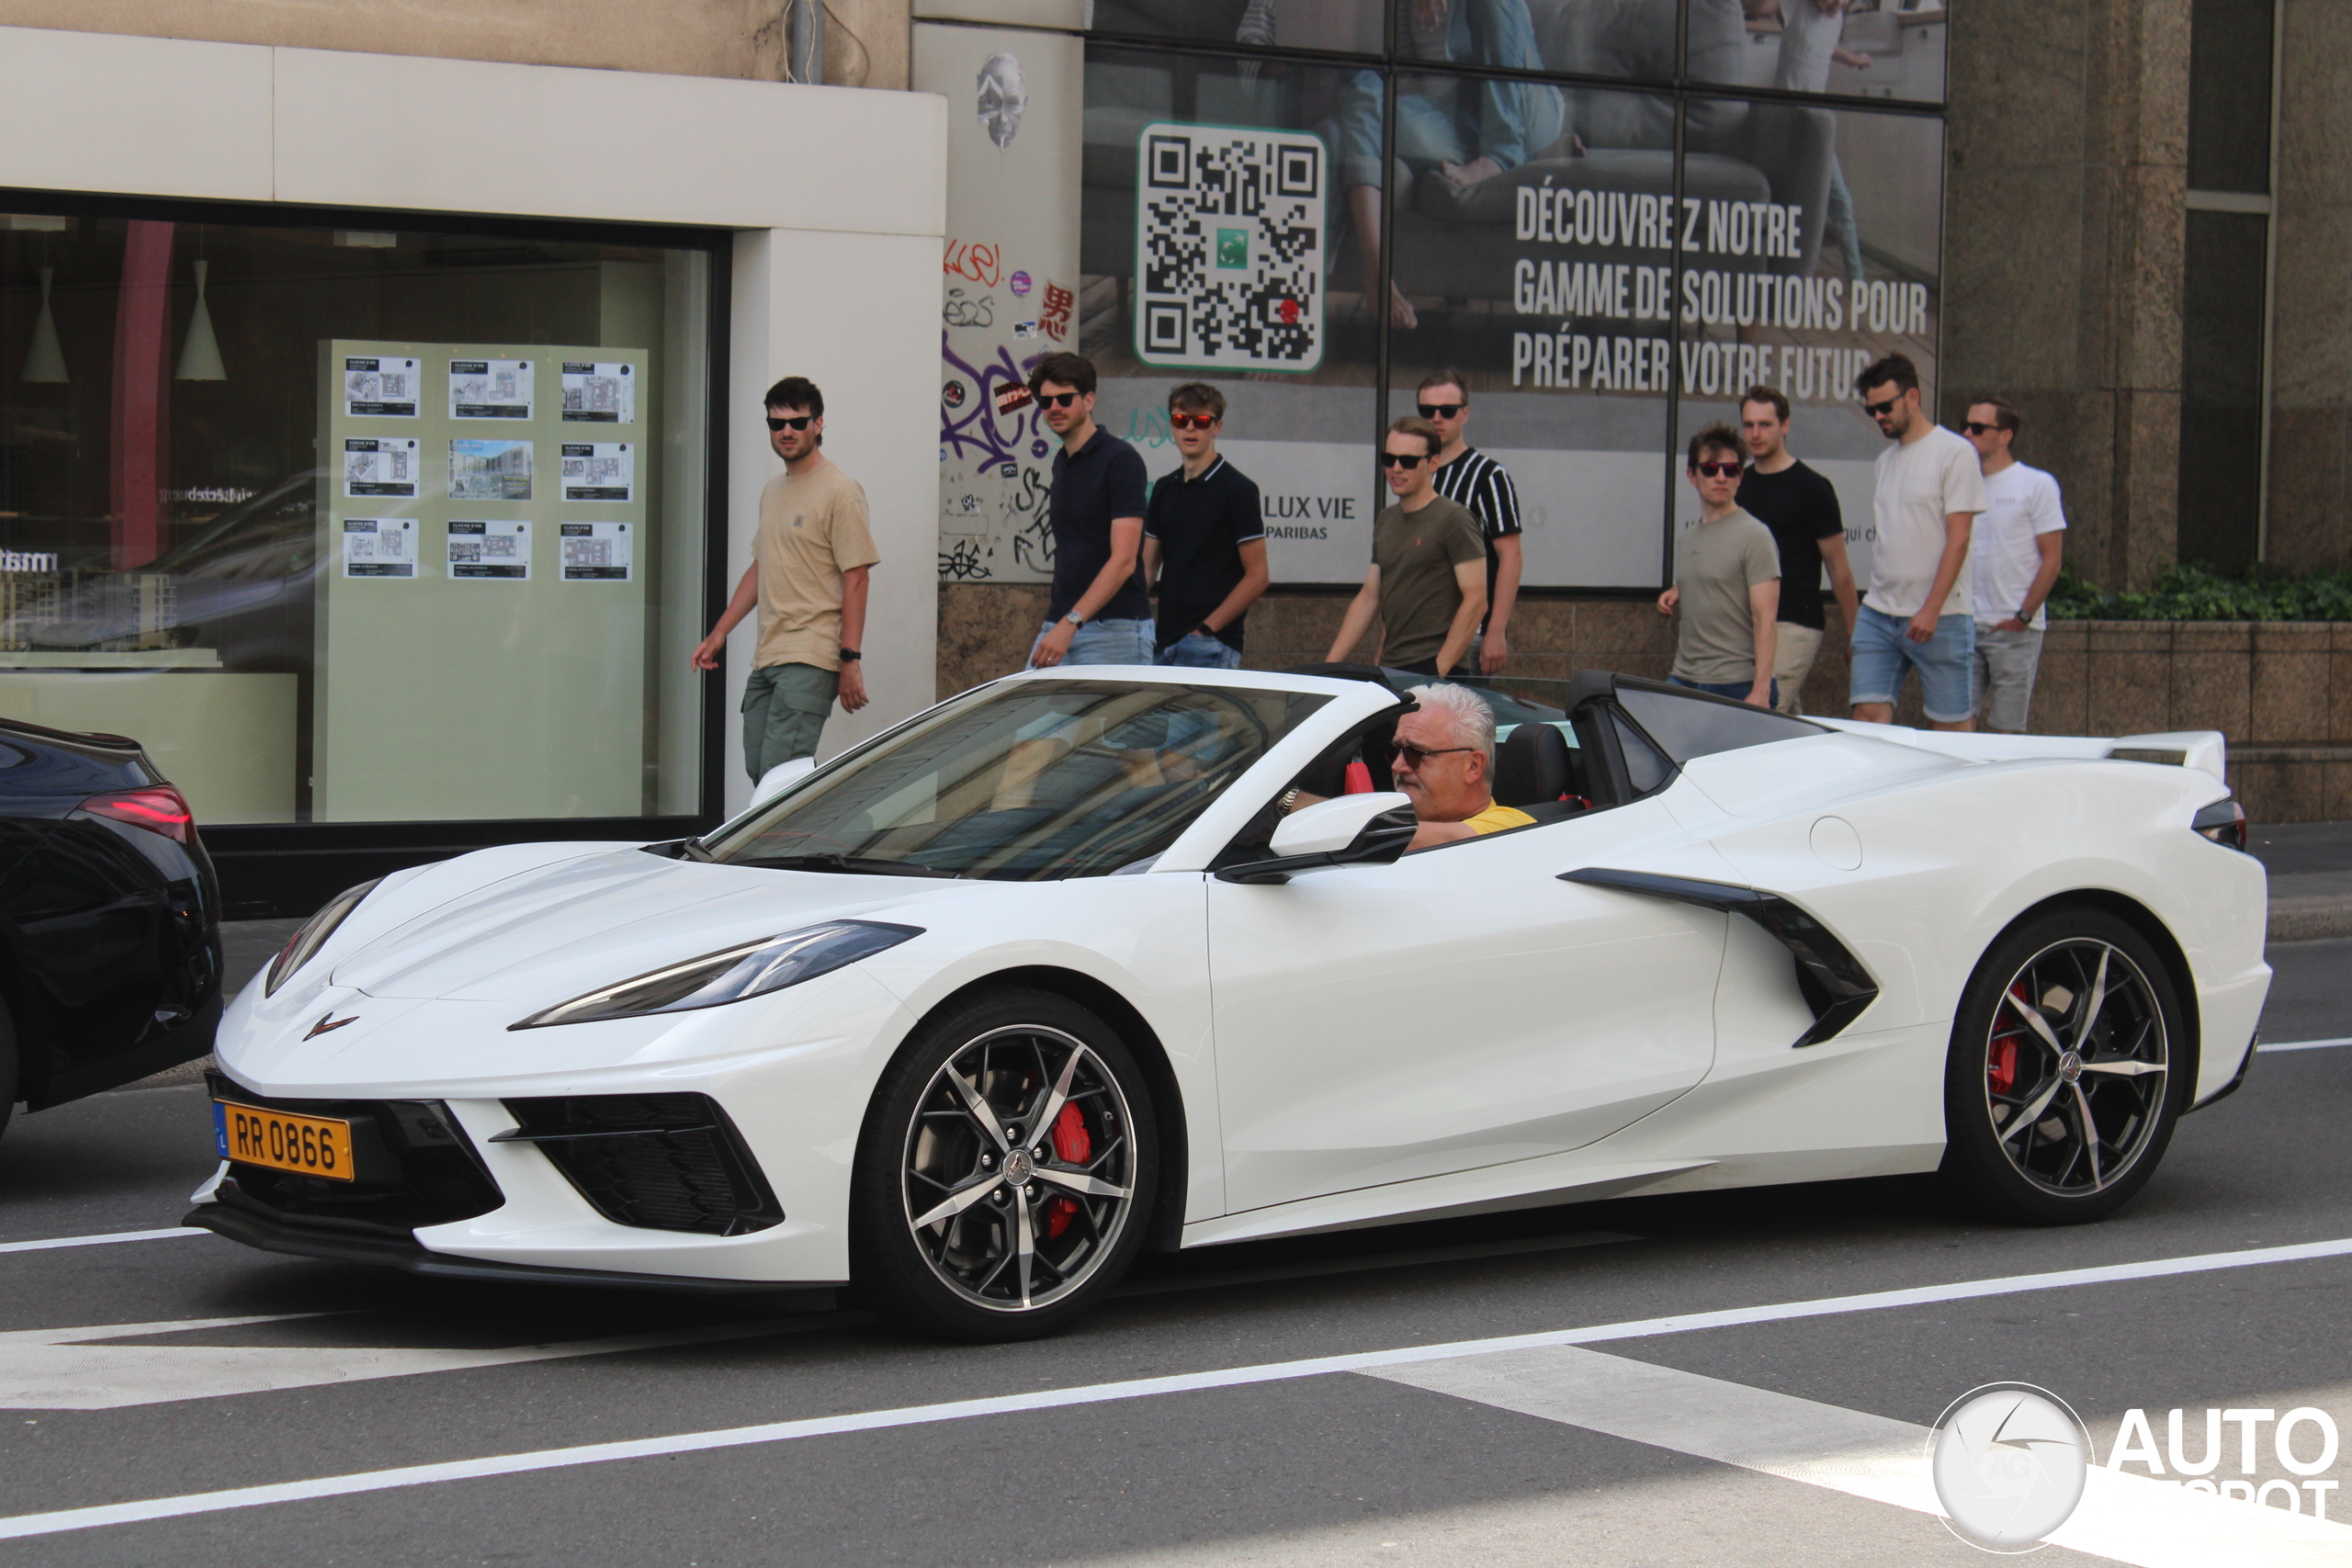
(1727, 583)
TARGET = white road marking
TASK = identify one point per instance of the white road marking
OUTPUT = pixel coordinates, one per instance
(57, 1368)
(2303, 1045)
(150, 1508)
(2131, 1518)
(101, 1240)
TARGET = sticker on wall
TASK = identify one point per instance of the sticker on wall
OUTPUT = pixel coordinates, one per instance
(379, 547)
(599, 470)
(380, 464)
(1229, 232)
(601, 393)
(595, 552)
(489, 470)
(489, 388)
(375, 387)
(491, 549)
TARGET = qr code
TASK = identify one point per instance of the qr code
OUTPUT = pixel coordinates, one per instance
(1229, 232)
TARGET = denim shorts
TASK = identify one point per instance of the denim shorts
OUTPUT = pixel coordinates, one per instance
(1198, 650)
(1736, 690)
(1883, 656)
(1104, 642)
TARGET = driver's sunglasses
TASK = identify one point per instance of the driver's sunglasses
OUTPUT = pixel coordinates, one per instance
(1441, 410)
(795, 422)
(1879, 410)
(1058, 400)
(1192, 421)
(1717, 471)
(1416, 755)
(1401, 459)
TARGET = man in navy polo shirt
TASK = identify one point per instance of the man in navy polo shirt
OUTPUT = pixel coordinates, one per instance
(1203, 540)
(1099, 613)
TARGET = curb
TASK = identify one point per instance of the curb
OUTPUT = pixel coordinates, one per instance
(2310, 918)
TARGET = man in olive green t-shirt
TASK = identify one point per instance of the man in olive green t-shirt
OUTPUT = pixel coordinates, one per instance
(811, 562)
(1428, 581)
(1727, 582)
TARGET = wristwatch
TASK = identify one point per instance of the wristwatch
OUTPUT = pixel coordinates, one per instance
(1206, 629)
(1074, 619)
(850, 656)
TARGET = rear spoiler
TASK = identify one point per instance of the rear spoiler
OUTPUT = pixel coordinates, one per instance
(2206, 750)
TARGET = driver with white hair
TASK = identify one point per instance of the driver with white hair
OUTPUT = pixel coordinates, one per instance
(1445, 762)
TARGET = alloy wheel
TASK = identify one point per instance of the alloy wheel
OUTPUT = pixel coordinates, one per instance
(2076, 1064)
(1018, 1173)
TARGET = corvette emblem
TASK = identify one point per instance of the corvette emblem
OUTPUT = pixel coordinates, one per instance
(328, 1023)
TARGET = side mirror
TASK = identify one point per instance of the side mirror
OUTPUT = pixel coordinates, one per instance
(781, 777)
(1354, 829)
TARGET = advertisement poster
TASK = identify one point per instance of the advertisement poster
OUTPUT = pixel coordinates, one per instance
(375, 387)
(379, 547)
(381, 466)
(599, 393)
(490, 550)
(489, 388)
(489, 470)
(595, 552)
(599, 470)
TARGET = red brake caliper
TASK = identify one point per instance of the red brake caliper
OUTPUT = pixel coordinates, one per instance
(1072, 1145)
(2002, 1069)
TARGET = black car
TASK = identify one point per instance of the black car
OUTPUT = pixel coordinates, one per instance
(110, 919)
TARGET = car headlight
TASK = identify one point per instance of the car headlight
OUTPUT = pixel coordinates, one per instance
(313, 935)
(752, 969)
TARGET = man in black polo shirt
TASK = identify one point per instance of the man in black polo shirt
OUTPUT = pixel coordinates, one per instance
(1099, 613)
(1203, 540)
(1798, 504)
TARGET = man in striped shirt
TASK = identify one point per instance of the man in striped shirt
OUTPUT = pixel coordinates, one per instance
(1475, 481)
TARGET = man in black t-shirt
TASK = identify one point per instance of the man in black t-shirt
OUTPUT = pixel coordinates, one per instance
(1482, 487)
(1099, 613)
(1204, 541)
(1801, 508)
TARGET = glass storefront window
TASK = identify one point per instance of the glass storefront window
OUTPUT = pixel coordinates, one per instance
(1631, 40)
(354, 525)
(1220, 245)
(1870, 49)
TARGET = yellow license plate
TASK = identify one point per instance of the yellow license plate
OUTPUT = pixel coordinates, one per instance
(312, 1145)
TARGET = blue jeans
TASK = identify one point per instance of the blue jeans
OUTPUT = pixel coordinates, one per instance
(1104, 642)
(1736, 690)
(1885, 658)
(1442, 122)
(1198, 650)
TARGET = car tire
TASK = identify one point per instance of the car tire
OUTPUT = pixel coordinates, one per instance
(2068, 1069)
(1023, 1245)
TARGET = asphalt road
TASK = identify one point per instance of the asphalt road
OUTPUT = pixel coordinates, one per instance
(1742, 1439)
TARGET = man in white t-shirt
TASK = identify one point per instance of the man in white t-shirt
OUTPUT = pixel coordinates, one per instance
(1916, 614)
(2011, 564)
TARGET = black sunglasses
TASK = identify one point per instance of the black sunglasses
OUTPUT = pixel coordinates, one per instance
(1401, 459)
(1441, 410)
(1878, 411)
(1974, 428)
(1717, 471)
(797, 422)
(1416, 755)
(1058, 400)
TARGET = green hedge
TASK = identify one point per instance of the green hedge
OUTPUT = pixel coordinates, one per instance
(2192, 593)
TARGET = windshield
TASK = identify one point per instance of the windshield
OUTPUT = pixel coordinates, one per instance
(1027, 783)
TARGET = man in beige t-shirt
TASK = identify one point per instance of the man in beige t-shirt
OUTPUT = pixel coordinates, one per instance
(811, 562)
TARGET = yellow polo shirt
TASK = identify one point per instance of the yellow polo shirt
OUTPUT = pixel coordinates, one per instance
(1494, 819)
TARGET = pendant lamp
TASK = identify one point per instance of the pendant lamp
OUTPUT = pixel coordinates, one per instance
(45, 359)
(200, 356)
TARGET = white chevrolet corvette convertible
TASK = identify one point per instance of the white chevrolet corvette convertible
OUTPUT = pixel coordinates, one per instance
(1081, 963)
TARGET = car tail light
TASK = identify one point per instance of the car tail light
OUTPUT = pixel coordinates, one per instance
(158, 808)
(2224, 822)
